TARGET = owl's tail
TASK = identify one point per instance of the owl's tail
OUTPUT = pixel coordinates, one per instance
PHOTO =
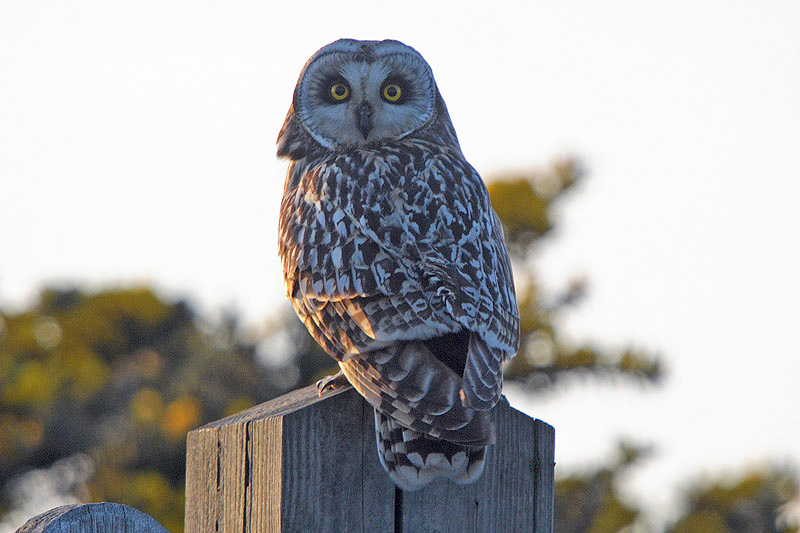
(423, 428)
(413, 459)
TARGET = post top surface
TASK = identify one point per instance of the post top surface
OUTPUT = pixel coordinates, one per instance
(280, 406)
(296, 400)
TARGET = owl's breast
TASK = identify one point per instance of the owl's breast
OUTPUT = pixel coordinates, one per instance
(341, 231)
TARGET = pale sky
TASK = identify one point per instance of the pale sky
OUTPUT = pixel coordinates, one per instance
(137, 146)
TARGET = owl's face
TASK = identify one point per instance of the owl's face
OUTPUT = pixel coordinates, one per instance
(353, 93)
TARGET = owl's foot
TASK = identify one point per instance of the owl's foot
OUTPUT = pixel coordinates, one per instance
(332, 382)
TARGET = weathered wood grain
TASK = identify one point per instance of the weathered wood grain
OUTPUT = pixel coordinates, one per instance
(305, 463)
(202, 468)
(92, 518)
(505, 498)
(296, 463)
(544, 476)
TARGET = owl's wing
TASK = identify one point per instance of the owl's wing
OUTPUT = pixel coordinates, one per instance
(497, 325)
(410, 251)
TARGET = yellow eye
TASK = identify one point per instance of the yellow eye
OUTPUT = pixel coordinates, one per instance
(339, 92)
(392, 92)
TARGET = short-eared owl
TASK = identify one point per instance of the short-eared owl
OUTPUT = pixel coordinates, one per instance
(393, 257)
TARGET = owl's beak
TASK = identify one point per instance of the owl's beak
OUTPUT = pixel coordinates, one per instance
(364, 119)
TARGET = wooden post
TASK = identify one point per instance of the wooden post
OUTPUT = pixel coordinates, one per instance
(307, 463)
(92, 518)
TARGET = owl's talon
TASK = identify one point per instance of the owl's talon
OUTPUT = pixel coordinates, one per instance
(332, 382)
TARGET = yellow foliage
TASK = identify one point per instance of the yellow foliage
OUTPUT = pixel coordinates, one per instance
(239, 403)
(180, 416)
(152, 491)
(612, 516)
(702, 520)
(102, 323)
(136, 302)
(35, 384)
(147, 490)
(147, 406)
(578, 359)
(522, 211)
(85, 371)
(19, 338)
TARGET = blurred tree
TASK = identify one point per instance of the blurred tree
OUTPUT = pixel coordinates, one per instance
(590, 502)
(756, 501)
(525, 203)
(122, 376)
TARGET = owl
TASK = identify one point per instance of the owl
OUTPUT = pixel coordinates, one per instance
(393, 257)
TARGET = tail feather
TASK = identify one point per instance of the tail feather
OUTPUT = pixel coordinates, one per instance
(413, 459)
(407, 382)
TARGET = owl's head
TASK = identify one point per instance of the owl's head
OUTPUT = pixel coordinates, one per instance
(355, 93)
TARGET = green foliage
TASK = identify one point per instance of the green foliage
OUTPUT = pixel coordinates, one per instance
(122, 376)
(591, 503)
(524, 202)
(753, 502)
